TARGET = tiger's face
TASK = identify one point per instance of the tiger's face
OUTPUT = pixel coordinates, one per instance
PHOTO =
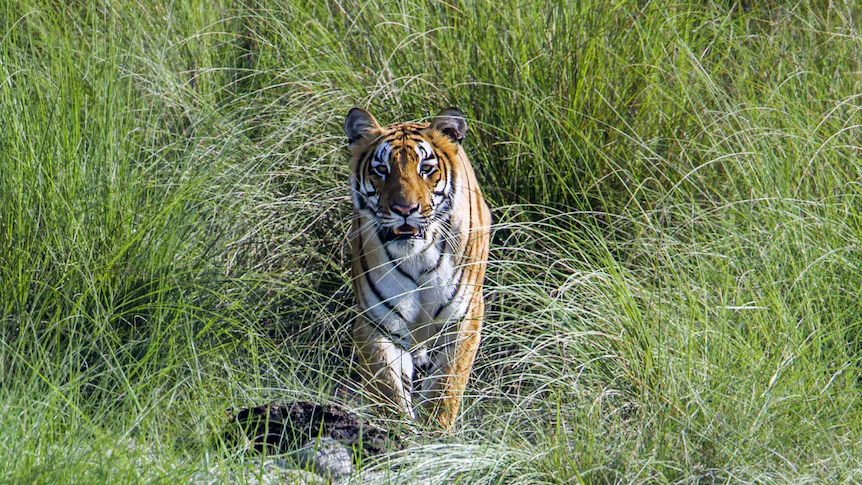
(401, 176)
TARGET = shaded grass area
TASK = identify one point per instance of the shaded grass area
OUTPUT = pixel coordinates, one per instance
(673, 290)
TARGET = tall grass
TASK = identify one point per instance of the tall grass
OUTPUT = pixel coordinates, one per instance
(673, 287)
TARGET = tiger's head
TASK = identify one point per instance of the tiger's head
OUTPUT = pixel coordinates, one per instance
(402, 174)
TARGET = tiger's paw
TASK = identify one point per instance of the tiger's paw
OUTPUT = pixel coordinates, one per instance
(421, 362)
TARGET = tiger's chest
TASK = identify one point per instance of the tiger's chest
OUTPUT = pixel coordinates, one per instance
(413, 286)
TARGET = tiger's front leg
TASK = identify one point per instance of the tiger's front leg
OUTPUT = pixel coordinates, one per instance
(386, 368)
(443, 389)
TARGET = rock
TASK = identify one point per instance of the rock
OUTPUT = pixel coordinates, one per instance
(279, 475)
(323, 438)
(282, 428)
(326, 457)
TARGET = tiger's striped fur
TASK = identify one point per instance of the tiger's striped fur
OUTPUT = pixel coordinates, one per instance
(419, 245)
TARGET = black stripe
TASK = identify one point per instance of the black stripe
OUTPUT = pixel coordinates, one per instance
(364, 197)
(429, 246)
(407, 382)
(360, 181)
(439, 258)
(398, 266)
(365, 158)
(455, 289)
(363, 203)
(449, 184)
(392, 336)
(445, 170)
(469, 223)
(364, 265)
(440, 309)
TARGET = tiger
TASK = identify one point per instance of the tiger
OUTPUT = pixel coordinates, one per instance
(419, 243)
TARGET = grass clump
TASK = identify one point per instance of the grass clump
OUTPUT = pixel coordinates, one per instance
(672, 289)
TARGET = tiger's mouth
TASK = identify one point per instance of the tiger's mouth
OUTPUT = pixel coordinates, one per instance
(404, 232)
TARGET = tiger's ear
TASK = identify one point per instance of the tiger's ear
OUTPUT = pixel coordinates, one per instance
(451, 123)
(359, 124)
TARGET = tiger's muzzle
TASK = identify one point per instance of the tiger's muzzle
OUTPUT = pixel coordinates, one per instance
(404, 223)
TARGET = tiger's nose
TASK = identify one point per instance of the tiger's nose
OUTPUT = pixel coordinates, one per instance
(404, 210)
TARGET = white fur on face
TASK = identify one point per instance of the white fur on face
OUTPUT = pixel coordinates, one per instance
(424, 151)
(381, 157)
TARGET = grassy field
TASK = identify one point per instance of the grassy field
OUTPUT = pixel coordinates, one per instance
(674, 290)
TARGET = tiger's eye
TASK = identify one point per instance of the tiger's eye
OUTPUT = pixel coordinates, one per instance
(381, 170)
(427, 169)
